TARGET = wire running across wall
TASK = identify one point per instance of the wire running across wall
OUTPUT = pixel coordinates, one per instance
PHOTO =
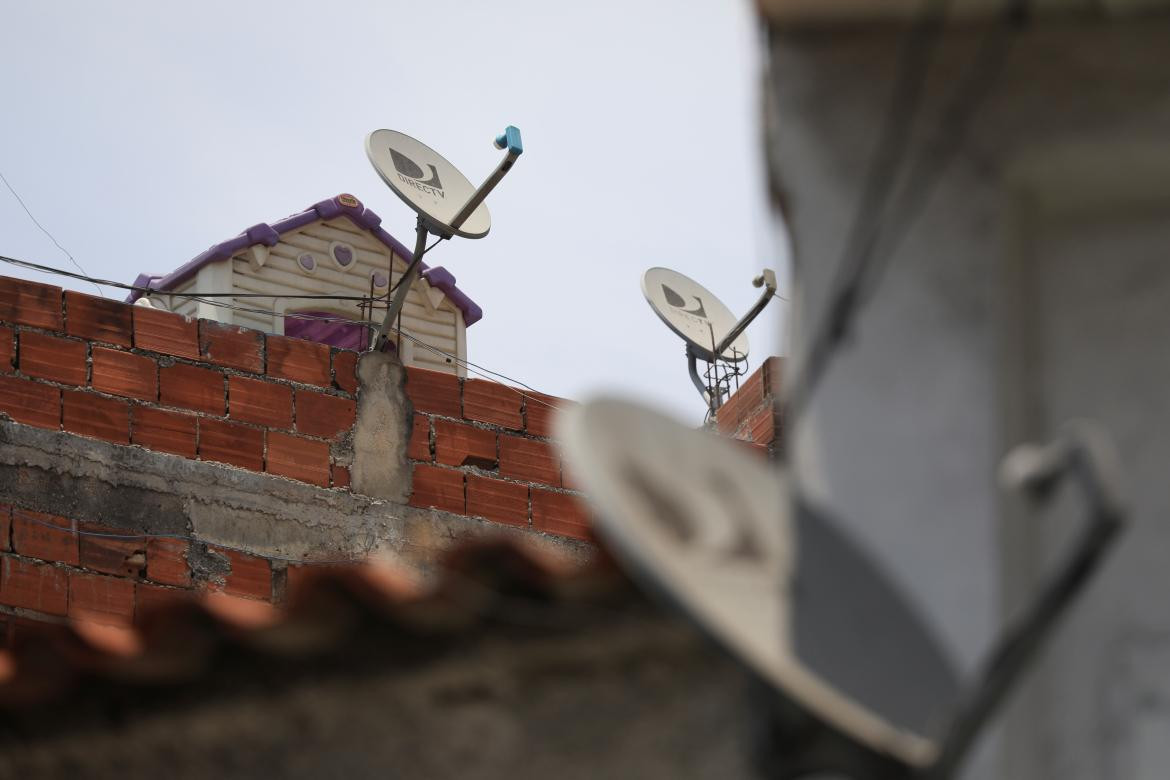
(209, 299)
(894, 193)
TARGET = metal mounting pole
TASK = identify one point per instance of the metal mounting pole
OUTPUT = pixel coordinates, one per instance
(768, 280)
(692, 366)
(404, 284)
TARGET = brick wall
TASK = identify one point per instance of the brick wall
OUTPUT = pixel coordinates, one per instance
(195, 388)
(201, 390)
(483, 450)
(52, 567)
(750, 414)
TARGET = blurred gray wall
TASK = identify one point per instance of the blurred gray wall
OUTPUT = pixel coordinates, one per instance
(1033, 288)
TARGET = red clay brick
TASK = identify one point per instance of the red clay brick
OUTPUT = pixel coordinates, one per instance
(345, 370)
(230, 443)
(298, 458)
(89, 414)
(30, 403)
(7, 349)
(124, 373)
(761, 425)
(30, 303)
(457, 444)
(495, 499)
(166, 561)
(162, 331)
(48, 537)
(324, 415)
(5, 527)
(340, 476)
(250, 577)
(493, 403)
(540, 411)
(53, 358)
(564, 514)
(299, 361)
(439, 488)
(434, 392)
(163, 431)
(419, 446)
(37, 586)
(98, 319)
(529, 459)
(743, 402)
(149, 599)
(112, 550)
(100, 598)
(260, 402)
(232, 346)
(192, 387)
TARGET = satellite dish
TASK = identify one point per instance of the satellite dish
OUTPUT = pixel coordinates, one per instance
(427, 183)
(695, 517)
(446, 202)
(862, 687)
(694, 313)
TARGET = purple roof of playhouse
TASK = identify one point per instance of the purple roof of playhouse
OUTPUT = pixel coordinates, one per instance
(269, 235)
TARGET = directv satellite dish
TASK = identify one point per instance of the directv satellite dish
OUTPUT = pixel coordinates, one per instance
(427, 183)
(709, 329)
(446, 202)
(694, 313)
(862, 689)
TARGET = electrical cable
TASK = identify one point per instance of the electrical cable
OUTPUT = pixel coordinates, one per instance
(475, 368)
(48, 269)
(862, 266)
(45, 230)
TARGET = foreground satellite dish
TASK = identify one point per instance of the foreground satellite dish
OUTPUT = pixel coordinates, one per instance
(695, 517)
(694, 313)
(862, 687)
(427, 183)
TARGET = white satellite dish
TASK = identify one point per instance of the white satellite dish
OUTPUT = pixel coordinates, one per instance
(694, 313)
(863, 689)
(446, 202)
(698, 519)
(426, 182)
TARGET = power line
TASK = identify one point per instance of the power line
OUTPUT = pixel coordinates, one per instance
(862, 264)
(48, 269)
(475, 368)
(44, 230)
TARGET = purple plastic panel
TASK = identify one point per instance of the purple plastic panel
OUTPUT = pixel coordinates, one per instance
(326, 330)
(269, 235)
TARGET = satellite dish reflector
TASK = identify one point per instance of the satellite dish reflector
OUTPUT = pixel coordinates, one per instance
(427, 183)
(694, 313)
(695, 517)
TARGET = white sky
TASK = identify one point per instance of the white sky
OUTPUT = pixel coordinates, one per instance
(140, 133)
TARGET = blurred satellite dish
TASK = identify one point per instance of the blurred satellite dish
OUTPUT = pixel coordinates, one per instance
(862, 687)
(694, 313)
(695, 517)
(446, 202)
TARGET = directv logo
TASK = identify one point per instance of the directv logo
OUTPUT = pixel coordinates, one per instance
(411, 173)
(677, 301)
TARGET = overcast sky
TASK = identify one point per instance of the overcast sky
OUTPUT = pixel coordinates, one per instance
(141, 135)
